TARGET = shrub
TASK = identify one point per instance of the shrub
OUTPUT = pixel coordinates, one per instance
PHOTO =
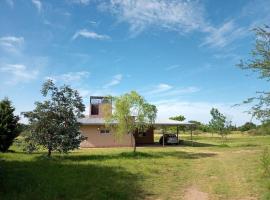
(265, 162)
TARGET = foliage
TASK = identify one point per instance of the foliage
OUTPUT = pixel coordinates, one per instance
(260, 62)
(132, 113)
(218, 122)
(9, 126)
(265, 162)
(53, 123)
(178, 118)
(200, 126)
(247, 126)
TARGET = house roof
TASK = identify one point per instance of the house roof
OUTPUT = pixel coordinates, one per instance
(158, 122)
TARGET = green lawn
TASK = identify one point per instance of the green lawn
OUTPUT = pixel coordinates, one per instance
(210, 168)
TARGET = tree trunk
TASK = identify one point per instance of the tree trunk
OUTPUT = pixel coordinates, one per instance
(49, 152)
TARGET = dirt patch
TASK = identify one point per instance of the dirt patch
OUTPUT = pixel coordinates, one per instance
(193, 193)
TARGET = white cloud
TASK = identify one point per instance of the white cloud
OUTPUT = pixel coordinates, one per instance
(181, 16)
(70, 77)
(115, 81)
(37, 4)
(165, 90)
(19, 73)
(83, 2)
(171, 67)
(89, 34)
(224, 35)
(200, 111)
(11, 43)
(162, 87)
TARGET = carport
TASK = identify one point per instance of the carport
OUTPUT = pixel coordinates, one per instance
(164, 124)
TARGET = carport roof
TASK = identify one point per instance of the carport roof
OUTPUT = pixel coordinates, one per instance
(158, 122)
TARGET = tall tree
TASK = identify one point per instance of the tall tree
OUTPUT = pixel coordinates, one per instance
(53, 123)
(218, 122)
(178, 118)
(260, 63)
(132, 113)
(9, 126)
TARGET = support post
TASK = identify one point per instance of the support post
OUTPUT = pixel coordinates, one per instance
(191, 136)
(163, 139)
(177, 133)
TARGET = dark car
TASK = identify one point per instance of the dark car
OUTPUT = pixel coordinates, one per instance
(168, 139)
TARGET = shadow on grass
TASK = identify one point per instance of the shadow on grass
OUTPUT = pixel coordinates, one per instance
(49, 179)
(133, 156)
(195, 144)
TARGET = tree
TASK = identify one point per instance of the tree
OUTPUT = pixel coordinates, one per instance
(218, 122)
(178, 118)
(247, 126)
(9, 126)
(260, 62)
(132, 113)
(53, 123)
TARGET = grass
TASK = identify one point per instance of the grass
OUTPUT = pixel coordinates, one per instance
(230, 171)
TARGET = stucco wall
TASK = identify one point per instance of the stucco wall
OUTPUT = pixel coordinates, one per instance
(96, 139)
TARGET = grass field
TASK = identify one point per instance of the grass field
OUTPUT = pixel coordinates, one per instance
(208, 170)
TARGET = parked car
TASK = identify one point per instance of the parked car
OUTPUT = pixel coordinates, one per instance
(169, 138)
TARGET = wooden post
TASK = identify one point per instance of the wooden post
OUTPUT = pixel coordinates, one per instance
(163, 139)
(177, 133)
(191, 136)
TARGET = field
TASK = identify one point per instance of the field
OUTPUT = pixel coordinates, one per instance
(210, 169)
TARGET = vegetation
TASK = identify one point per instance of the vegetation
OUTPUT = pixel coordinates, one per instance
(133, 114)
(231, 171)
(178, 118)
(218, 122)
(9, 126)
(53, 123)
(260, 62)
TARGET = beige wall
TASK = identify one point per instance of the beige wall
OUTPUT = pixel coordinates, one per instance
(96, 139)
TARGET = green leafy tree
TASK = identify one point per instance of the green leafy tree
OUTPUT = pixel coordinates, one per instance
(178, 118)
(218, 122)
(53, 123)
(260, 63)
(247, 126)
(9, 126)
(132, 113)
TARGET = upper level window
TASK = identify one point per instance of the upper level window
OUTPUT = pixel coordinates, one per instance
(94, 109)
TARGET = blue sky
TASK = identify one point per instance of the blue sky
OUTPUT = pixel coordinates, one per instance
(180, 55)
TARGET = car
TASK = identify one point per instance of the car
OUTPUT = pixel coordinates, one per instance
(169, 138)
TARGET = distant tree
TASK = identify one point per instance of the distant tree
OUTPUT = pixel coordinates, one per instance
(53, 123)
(247, 126)
(218, 122)
(260, 62)
(178, 118)
(200, 126)
(132, 114)
(9, 125)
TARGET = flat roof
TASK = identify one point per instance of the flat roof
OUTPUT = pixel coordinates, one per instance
(158, 122)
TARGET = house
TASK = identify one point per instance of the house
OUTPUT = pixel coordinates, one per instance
(93, 127)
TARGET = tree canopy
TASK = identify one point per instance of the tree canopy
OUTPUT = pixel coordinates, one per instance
(178, 118)
(132, 113)
(9, 124)
(218, 121)
(53, 123)
(260, 63)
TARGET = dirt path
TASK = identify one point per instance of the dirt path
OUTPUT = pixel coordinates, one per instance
(192, 193)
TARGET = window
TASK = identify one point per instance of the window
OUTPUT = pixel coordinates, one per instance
(94, 109)
(104, 131)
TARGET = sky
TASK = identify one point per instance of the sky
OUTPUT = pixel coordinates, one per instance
(181, 55)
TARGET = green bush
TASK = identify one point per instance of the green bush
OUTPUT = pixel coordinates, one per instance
(265, 162)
